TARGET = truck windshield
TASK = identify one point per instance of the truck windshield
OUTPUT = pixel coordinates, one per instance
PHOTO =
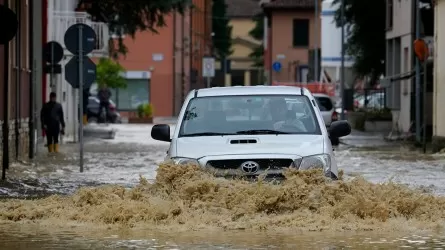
(251, 114)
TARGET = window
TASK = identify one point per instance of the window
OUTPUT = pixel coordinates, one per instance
(136, 93)
(302, 73)
(128, 99)
(324, 103)
(389, 14)
(301, 33)
(117, 32)
(256, 114)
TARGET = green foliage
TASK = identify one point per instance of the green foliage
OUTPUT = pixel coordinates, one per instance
(109, 72)
(222, 38)
(128, 17)
(258, 33)
(257, 56)
(366, 42)
(379, 114)
(145, 110)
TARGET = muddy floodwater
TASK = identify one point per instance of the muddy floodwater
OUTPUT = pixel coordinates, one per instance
(35, 237)
(389, 198)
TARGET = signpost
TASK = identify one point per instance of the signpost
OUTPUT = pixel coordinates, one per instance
(80, 39)
(421, 50)
(277, 66)
(208, 68)
(53, 54)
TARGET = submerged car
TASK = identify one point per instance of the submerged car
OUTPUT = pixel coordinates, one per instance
(246, 131)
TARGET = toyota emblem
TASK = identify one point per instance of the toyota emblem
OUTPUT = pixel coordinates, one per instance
(250, 167)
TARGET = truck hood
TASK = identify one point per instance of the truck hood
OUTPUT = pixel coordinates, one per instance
(197, 147)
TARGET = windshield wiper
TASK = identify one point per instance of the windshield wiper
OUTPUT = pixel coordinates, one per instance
(261, 131)
(206, 134)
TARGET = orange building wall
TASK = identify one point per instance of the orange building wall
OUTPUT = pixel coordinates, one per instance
(139, 58)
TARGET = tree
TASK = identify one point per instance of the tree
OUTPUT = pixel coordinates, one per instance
(366, 41)
(109, 72)
(222, 31)
(130, 16)
(258, 33)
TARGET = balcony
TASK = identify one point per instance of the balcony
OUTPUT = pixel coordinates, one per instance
(60, 21)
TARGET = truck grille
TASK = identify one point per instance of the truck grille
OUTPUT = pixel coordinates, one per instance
(272, 164)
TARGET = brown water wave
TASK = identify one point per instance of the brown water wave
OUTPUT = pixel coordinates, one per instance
(187, 198)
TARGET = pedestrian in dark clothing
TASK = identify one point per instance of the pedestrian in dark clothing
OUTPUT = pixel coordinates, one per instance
(53, 122)
(104, 95)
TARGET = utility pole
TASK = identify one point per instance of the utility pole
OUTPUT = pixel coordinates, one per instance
(317, 37)
(342, 73)
(418, 87)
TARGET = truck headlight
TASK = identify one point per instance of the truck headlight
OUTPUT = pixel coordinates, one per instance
(322, 161)
(185, 161)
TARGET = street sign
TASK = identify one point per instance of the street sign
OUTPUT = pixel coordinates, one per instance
(80, 71)
(276, 66)
(208, 67)
(8, 24)
(53, 52)
(72, 69)
(72, 39)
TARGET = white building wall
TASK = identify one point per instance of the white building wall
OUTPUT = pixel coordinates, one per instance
(59, 13)
(439, 73)
(61, 16)
(399, 61)
(331, 47)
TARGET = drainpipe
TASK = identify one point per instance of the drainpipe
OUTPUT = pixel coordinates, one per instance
(190, 48)
(5, 126)
(31, 135)
(174, 63)
(18, 61)
(317, 37)
(44, 41)
(418, 83)
(182, 58)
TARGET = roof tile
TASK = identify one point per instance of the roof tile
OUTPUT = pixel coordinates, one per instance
(243, 8)
(285, 4)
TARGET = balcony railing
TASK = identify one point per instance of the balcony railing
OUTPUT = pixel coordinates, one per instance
(62, 20)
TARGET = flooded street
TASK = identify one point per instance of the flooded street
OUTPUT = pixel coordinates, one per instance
(121, 208)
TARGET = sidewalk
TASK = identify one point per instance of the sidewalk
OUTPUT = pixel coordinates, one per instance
(367, 139)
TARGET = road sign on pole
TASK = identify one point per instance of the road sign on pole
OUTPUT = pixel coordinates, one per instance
(72, 69)
(276, 66)
(53, 52)
(9, 24)
(208, 68)
(80, 43)
(80, 39)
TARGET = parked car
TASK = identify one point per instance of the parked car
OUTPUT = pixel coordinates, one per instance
(374, 100)
(246, 147)
(327, 108)
(93, 111)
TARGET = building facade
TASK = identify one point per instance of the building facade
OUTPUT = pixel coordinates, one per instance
(401, 62)
(241, 68)
(18, 85)
(439, 77)
(201, 41)
(59, 16)
(171, 62)
(293, 33)
(160, 74)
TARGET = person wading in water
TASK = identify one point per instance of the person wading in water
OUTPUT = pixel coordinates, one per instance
(52, 119)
